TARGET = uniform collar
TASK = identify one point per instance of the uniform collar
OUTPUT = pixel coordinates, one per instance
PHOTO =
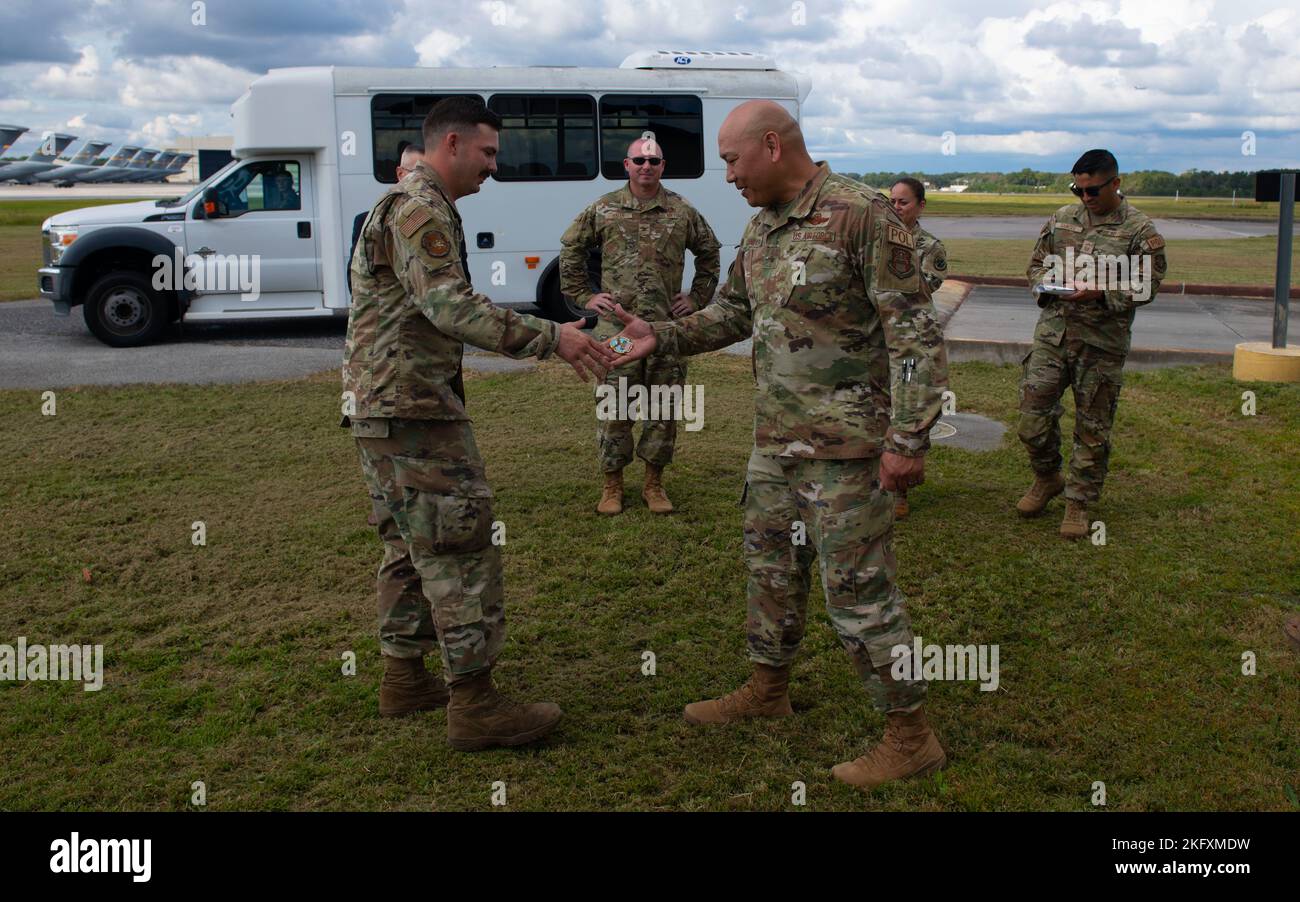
(426, 175)
(1114, 217)
(631, 201)
(804, 201)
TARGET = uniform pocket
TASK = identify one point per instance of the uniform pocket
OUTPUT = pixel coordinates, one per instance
(369, 428)
(448, 505)
(849, 547)
(1101, 398)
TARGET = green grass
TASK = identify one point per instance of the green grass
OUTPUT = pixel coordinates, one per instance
(1119, 663)
(941, 204)
(1228, 261)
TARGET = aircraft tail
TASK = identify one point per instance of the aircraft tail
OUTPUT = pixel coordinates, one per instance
(8, 135)
(89, 153)
(52, 144)
(123, 155)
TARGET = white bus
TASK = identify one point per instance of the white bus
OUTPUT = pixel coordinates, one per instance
(336, 132)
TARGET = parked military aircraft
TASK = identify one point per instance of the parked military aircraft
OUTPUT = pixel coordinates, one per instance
(84, 161)
(115, 166)
(41, 160)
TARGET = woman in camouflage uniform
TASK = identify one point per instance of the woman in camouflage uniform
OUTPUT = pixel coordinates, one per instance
(908, 197)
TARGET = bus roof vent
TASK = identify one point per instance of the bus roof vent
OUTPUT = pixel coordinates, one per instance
(696, 59)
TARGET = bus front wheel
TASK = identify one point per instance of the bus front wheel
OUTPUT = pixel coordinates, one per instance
(559, 307)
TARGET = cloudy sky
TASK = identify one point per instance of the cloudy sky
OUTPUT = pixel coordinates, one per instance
(1166, 85)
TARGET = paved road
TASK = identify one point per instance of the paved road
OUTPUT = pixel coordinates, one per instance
(39, 350)
(942, 226)
(1183, 321)
(1171, 322)
(1028, 227)
(125, 192)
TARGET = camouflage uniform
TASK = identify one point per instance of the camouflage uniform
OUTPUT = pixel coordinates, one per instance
(643, 246)
(413, 306)
(934, 257)
(1082, 345)
(830, 290)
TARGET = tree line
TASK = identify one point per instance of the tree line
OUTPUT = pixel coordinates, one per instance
(1143, 182)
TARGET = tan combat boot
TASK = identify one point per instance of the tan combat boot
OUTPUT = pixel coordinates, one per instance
(407, 688)
(908, 749)
(479, 717)
(1291, 628)
(901, 509)
(1044, 489)
(653, 492)
(764, 694)
(611, 496)
(1075, 523)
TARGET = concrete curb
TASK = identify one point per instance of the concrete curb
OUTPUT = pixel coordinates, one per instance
(961, 350)
(1232, 291)
(949, 298)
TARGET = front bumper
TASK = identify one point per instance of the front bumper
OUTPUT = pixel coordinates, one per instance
(52, 283)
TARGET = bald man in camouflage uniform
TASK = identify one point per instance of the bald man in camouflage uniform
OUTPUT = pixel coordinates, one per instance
(413, 309)
(642, 231)
(1082, 339)
(850, 366)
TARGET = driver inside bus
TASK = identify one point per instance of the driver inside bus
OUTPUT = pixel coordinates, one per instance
(280, 194)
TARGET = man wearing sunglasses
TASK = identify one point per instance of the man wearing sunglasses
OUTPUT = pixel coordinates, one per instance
(642, 231)
(1083, 337)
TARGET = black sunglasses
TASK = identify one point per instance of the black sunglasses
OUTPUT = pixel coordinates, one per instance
(641, 161)
(1091, 191)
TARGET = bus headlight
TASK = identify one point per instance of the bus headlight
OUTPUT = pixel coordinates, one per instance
(61, 238)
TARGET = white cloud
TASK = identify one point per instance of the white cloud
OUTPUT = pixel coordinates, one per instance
(81, 80)
(178, 82)
(164, 129)
(438, 47)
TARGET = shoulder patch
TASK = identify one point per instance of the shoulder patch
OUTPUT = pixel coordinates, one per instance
(899, 236)
(1154, 243)
(411, 222)
(900, 262)
(435, 243)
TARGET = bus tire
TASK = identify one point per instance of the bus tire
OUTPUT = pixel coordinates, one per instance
(124, 311)
(558, 307)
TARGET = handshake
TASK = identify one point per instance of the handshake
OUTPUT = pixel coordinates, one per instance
(588, 356)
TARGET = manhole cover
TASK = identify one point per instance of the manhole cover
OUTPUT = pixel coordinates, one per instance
(968, 431)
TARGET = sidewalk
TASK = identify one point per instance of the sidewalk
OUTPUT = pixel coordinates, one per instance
(996, 324)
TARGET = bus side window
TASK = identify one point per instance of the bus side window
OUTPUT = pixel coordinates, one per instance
(395, 118)
(546, 137)
(677, 121)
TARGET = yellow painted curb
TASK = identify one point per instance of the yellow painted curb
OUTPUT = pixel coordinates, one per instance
(1259, 361)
